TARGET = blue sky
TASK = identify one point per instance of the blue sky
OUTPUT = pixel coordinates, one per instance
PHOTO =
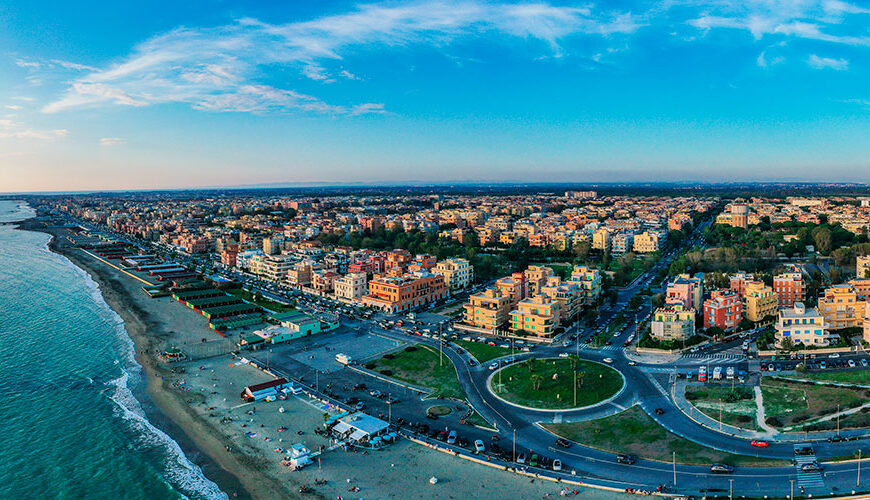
(100, 95)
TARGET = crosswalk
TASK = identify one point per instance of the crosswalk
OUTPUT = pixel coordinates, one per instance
(585, 347)
(717, 355)
(808, 479)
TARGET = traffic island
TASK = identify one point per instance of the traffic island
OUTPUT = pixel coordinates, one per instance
(556, 383)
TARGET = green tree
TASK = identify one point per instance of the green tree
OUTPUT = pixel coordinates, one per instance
(823, 238)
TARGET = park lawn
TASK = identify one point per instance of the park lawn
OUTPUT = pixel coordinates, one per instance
(260, 300)
(483, 352)
(598, 383)
(634, 432)
(710, 401)
(478, 420)
(419, 365)
(795, 402)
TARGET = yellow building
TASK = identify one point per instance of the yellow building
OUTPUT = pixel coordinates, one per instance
(536, 277)
(759, 301)
(589, 280)
(507, 237)
(841, 307)
(673, 322)
(489, 309)
(458, 273)
(567, 294)
(538, 315)
(646, 242)
(862, 266)
(601, 239)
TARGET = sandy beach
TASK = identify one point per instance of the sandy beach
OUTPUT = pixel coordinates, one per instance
(201, 398)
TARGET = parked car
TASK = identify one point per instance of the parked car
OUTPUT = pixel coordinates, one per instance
(451, 438)
(478, 446)
(521, 458)
(557, 465)
(533, 460)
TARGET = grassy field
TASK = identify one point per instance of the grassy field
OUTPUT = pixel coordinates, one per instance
(483, 352)
(419, 365)
(260, 300)
(635, 433)
(859, 377)
(737, 407)
(536, 387)
(796, 403)
(476, 419)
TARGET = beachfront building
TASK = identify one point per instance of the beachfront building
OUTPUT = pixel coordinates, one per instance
(263, 390)
(789, 288)
(489, 309)
(723, 310)
(803, 325)
(673, 322)
(589, 281)
(646, 242)
(394, 294)
(842, 307)
(458, 273)
(359, 428)
(760, 301)
(351, 286)
(537, 315)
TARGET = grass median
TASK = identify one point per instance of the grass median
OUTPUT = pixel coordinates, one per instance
(633, 432)
(420, 365)
(557, 383)
(483, 352)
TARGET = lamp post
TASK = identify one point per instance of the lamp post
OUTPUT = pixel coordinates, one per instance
(515, 444)
(675, 468)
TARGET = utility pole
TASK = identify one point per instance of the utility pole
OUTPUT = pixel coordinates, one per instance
(675, 468)
(575, 389)
(730, 489)
(515, 444)
(791, 497)
(838, 420)
(858, 482)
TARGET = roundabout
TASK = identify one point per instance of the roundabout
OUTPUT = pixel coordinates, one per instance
(555, 384)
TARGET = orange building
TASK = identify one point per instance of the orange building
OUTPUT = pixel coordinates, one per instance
(789, 288)
(395, 294)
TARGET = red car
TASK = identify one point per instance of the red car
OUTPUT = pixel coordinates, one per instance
(760, 444)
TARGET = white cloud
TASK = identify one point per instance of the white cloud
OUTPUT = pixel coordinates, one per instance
(28, 64)
(828, 63)
(13, 130)
(13, 107)
(179, 66)
(112, 141)
(348, 75)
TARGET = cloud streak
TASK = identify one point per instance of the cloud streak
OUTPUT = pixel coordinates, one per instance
(222, 68)
(828, 63)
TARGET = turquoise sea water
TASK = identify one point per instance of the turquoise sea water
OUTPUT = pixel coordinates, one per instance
(72, 428)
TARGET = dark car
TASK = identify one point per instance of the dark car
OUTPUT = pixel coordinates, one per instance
(811, 467)
(625, 459)
(564, 443)
(660, 411)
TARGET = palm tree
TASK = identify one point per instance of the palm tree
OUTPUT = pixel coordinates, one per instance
(580, 377)
(531, 364)
(536, 382)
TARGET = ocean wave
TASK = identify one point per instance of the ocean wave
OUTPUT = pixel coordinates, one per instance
(179, 470)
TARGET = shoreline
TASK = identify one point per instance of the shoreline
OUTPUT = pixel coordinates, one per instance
(165, 408)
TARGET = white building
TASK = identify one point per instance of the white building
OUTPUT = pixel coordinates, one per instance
(458, 273)
(351, 286)
(802, 325)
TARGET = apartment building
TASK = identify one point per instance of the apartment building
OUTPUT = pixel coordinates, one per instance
(489, 309)
(789, 288)
(621, 243)
(866, 335)
(589, 281)
(458, 273)
(759, 301)
(673, 322)
(395, 294)
(536, 277)
(537, 315)
(301, 273)
(351, 286)
(513, 287)
(567, 294)
(275, 267)
(646, 242)
(861, 287)
(738, 282)
(842, 307)
(862, 266)
(803, 325)
(686, 290)
(601, 239)
(724, 309)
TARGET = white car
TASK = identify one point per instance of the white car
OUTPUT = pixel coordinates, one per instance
(835, 355)
(608, 360)
(563, 354)
(493, 366)
(557, 465)
(478, 446)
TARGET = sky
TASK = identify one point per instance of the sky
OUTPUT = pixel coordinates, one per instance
(153, 95)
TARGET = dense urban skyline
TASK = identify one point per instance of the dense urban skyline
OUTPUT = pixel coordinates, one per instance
(431, 92)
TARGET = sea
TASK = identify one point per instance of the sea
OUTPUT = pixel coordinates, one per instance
(72, 426)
